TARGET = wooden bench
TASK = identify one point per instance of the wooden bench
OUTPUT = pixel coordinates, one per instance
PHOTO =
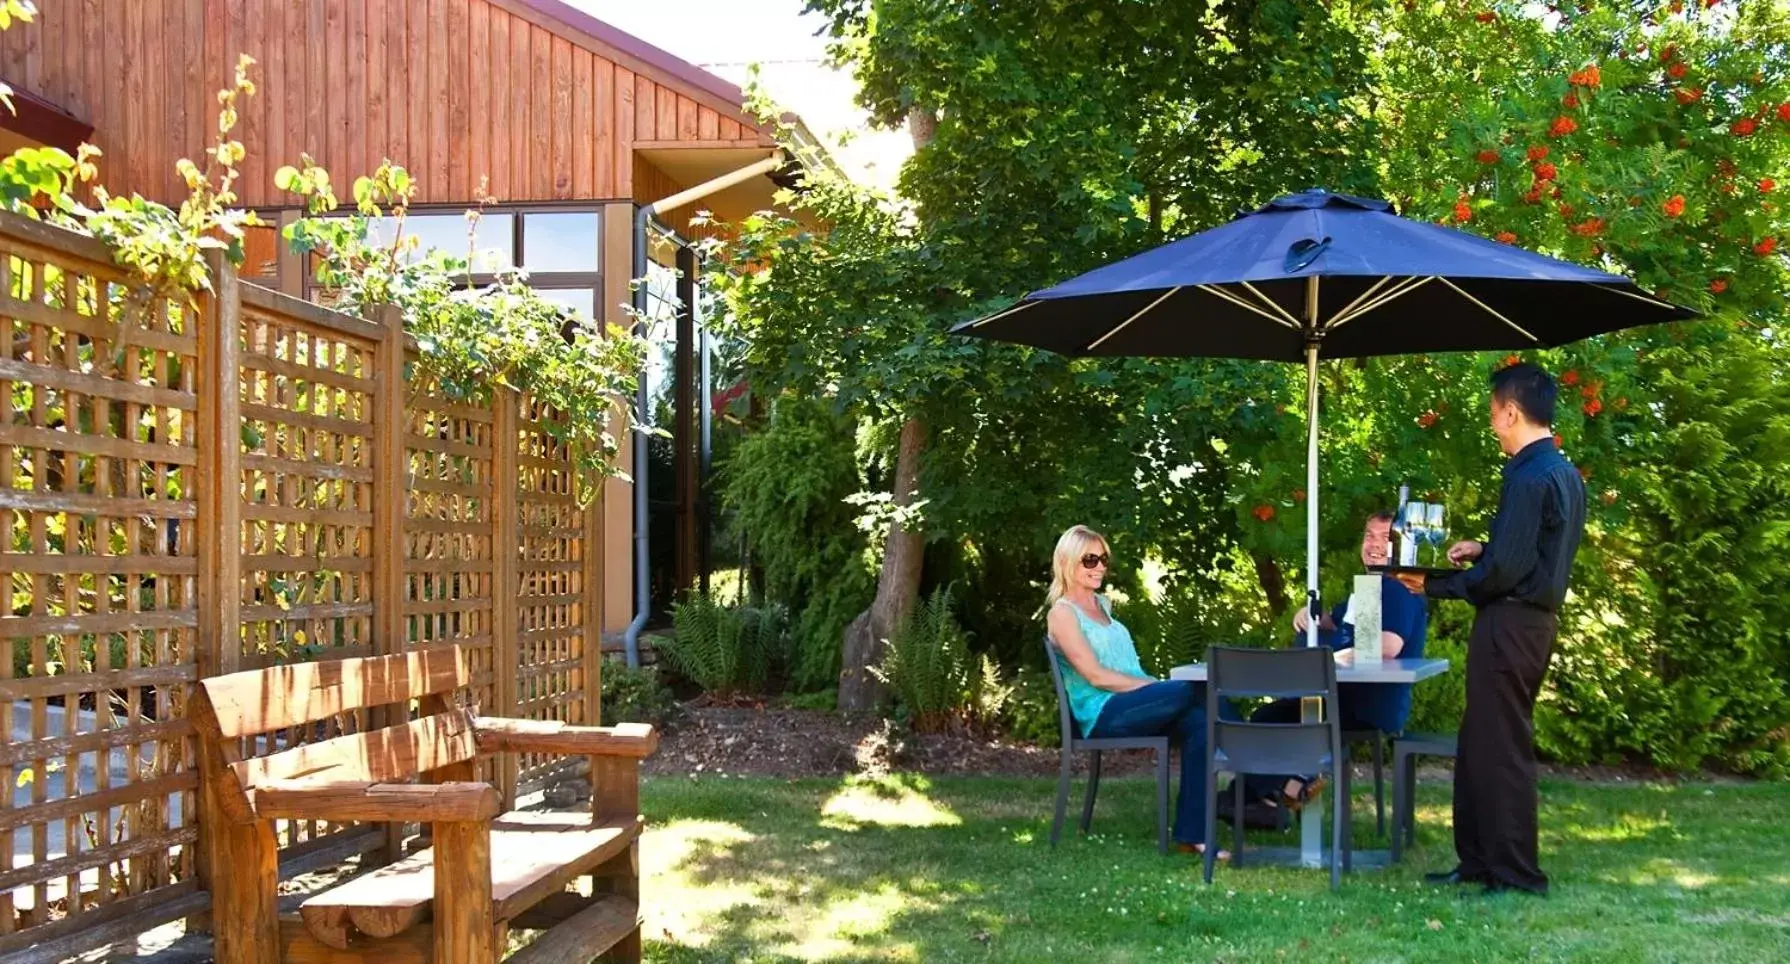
(486, 872)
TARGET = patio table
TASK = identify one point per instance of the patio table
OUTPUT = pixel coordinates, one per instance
(1311, 839)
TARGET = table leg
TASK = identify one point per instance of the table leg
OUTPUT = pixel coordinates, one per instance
(1311, 816)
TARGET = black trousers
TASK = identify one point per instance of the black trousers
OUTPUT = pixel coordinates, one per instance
(1494, 776)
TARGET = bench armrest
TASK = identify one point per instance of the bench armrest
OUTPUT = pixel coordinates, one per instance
(636, 740)
(383, 802)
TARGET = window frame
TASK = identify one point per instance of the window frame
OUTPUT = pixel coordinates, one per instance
(539, 280)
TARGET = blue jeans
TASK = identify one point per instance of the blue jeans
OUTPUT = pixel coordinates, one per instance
(1174, 708)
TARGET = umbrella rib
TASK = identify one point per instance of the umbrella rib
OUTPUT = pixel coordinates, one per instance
(1363, 297)
(1282, 312)
(1637, 296)
(1399, 290)
(1002, 314)
(1245, 305)
(1490, 311)
(1140, 313)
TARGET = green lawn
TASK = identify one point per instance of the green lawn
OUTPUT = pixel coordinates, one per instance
(907, 868)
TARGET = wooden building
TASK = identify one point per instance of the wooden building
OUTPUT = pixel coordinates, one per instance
(568, 124)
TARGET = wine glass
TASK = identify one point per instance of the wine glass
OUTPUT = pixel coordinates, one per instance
(1437, 523)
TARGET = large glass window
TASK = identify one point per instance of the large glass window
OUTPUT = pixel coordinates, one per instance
(491, 240)
(560, 241)
(560, 248)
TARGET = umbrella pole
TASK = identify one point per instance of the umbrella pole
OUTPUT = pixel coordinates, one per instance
(1311, 831)
(1313, 609)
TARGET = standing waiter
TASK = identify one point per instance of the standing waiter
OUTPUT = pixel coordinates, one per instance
(1517, 584)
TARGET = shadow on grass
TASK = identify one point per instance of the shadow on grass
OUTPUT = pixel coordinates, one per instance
(906, 868)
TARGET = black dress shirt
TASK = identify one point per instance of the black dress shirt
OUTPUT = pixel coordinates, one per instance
(1541, 517)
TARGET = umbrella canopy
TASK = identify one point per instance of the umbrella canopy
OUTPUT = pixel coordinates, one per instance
(1342, 272)
(1318, 274)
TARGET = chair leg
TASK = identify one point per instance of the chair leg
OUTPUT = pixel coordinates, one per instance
(1379, 786)
(1410, 819)
(1337, 829)
(1399, 807)
(1345, 835)
(1411, 802)
(1063, 776)
(1210, 857)
(1087, 808)
(1162, 800)
(1237, 820)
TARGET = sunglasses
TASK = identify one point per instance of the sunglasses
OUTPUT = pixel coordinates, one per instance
(1093, 560)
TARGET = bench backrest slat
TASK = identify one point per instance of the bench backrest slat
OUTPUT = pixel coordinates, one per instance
(261, 701)
(387, 755)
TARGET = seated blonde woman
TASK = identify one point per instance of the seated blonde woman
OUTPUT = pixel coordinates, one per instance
(1109, 693)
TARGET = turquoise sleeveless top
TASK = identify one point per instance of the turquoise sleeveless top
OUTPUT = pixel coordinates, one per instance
(1112, 648)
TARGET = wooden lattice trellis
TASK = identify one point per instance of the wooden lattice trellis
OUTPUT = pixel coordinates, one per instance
(193, 488)
(96, 482)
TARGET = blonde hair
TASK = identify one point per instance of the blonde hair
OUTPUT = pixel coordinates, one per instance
(1070, 547)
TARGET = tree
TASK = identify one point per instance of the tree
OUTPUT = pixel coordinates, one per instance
(1074, 132)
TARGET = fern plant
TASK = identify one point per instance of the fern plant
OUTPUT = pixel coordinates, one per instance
(929, 667)
(728, 649)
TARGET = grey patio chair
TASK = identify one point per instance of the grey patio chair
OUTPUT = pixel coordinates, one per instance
(1240, 747)
(1073, 743)
(1405, 751)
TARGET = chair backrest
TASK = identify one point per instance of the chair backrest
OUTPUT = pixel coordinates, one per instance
(1282, 674)
(295, 696)
(1064, 721)
(1276, 673)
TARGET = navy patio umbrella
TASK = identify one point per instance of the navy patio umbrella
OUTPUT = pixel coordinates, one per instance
(1318, 274)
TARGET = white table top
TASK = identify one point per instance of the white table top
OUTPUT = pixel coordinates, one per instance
(1385, 671)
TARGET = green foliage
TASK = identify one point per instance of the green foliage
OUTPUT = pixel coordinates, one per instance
(1030, 715)
(824, 701)
(504, 334)
(1041, 167)
(929, 667)
(786, 487)
(635, 695)
(728, 649)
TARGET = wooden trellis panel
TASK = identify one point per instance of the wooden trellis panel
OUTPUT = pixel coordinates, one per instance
(450, 568)
(550, 642)
(202, 486)
(308, 392)
(99, 567)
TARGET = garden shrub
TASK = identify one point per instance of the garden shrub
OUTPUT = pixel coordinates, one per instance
(1030, 715)
(727, 649)
(935, 679)
(786, 486)
(636, 695)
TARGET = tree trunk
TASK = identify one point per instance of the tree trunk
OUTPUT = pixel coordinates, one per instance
(1274, 583)
(898, 584)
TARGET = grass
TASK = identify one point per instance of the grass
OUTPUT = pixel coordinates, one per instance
(909, 868)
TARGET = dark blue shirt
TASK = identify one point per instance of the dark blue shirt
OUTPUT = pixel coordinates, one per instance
(1385, 706)
(1541, 517)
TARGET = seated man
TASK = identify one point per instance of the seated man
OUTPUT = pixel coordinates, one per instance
(1404, 621)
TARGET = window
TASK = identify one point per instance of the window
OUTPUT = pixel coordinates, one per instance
(492, 241)
(561, 249)
(560, 241)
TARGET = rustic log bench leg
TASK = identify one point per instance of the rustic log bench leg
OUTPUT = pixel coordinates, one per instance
(615, 791)
(621, 876)
(465, 928)
(245, 878)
